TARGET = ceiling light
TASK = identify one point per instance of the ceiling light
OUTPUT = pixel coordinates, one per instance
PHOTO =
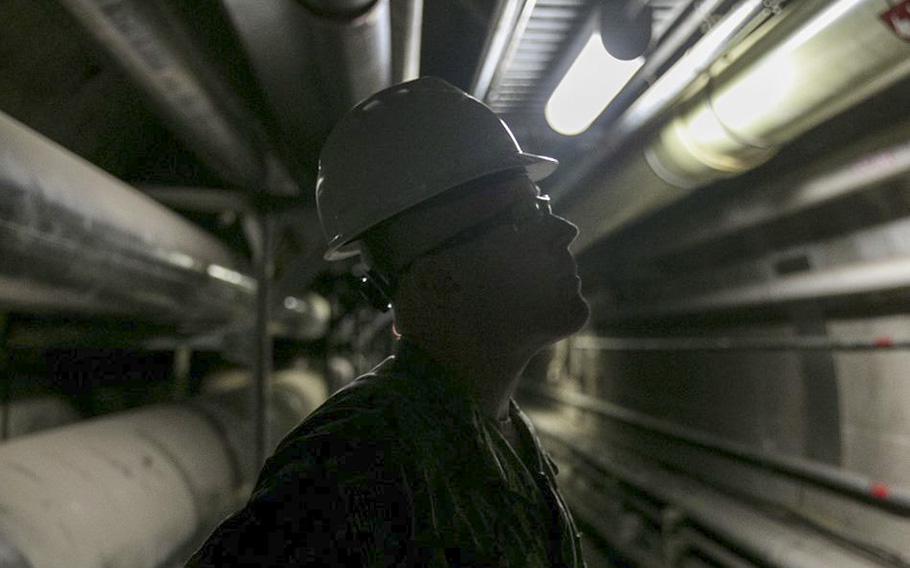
(592, 81)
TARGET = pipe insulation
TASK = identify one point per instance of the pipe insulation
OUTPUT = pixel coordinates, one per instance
(817, 60)
(139, 489)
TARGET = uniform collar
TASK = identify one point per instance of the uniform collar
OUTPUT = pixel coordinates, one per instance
(431, 377)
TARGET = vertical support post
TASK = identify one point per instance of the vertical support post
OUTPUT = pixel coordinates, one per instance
(263, 338)
(6, 379)
(822, 395)
(183, 357)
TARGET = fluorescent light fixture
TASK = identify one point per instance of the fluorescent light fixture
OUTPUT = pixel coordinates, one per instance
(592, 81)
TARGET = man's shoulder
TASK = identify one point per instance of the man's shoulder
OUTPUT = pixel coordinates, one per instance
(371, 400)
(363, 418)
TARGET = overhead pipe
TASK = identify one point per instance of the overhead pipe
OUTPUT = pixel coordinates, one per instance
(158, 53)
(75, 239)
(353, 45)
(407, 25)
(139, 489)
(637, 104)
(274, 38)
(346, 50)
(778, 85)
(829, 285)
(865, 165)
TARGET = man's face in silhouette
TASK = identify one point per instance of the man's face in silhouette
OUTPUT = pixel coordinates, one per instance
(503, 255)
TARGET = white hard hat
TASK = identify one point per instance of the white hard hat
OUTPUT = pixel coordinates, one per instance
(403, 146)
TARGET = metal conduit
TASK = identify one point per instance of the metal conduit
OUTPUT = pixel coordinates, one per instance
(777, 86)
(852, 485)
(157, 52)
(733, 343)
(771, 542)
(138, 489)
(855, 279)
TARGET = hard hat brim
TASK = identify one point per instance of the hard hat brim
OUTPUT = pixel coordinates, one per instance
(536, 166)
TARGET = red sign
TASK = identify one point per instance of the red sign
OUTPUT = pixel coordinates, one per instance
(898, 19)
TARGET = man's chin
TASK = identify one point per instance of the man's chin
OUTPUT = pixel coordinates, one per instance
(581, 311)
(570, 319)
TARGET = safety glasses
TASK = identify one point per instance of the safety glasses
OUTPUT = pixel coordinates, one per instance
(523, 214)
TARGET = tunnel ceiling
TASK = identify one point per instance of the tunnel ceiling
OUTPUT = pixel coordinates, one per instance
(58, 79)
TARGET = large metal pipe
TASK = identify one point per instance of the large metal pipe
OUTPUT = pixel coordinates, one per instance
(407, 23)
(139, 489)
(72, 237)
(75, 239)
(158, 53)
(353, 45)
(782, 86)
(864, 166)
(777, 86)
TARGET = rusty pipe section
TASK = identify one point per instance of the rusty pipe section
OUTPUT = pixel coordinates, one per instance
(138, 489)
(819, 59)
(158, 53)
(352, 41)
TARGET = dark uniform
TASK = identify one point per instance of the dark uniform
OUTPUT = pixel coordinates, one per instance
(401, 468)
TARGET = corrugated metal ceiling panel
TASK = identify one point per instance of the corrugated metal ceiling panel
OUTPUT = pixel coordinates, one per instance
(517, 85)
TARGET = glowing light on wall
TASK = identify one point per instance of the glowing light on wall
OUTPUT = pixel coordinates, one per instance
(592, 81)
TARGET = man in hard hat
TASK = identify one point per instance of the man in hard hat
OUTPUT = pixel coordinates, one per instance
(427, 460)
